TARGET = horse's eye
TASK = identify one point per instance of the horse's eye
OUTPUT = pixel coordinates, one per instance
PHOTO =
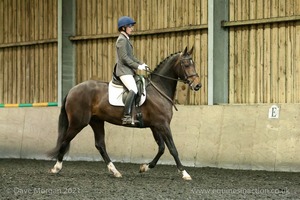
(189, 63)
(186, 62)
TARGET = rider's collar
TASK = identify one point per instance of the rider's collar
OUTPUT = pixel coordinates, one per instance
(125, 34)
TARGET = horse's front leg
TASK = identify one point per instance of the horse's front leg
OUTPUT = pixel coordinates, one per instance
(167, 136)
(161, 149)
(99, 134)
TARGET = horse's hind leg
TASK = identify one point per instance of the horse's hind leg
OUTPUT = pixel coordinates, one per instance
(161, 149)
(99, 134)
(63, 147)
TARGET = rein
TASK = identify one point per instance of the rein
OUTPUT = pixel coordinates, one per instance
(163, 94)
(166, 77)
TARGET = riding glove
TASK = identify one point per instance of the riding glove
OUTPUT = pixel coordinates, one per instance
(142, 67)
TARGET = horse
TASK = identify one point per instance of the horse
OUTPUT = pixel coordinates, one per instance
(87, 104)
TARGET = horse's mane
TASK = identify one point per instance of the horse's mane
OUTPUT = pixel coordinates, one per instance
(163, 61)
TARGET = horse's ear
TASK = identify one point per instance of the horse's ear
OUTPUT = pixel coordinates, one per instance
(185, 51)
(191, 50)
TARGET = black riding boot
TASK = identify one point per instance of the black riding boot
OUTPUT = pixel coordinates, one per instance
(128, 108)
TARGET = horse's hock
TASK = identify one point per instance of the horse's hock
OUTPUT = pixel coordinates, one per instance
(235, 136)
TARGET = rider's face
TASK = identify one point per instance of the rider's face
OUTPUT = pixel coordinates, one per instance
(129, 29)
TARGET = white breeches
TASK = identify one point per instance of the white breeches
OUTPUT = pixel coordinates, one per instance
(129, 82)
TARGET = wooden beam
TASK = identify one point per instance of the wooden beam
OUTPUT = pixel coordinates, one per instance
(260, 21)
(18, 44)
(141, 33)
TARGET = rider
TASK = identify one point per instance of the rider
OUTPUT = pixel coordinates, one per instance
(127, 64)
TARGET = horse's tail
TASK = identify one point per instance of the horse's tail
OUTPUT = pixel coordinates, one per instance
(63, 124)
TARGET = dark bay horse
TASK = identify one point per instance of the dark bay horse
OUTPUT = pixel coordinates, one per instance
(87, 104)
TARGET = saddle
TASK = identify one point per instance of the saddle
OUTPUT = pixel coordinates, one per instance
(140, 83)
(117, 92)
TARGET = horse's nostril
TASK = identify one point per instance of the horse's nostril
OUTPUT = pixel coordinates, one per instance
(198, 86)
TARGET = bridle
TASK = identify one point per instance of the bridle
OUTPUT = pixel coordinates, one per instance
(183, 66)
(186, 76)
(185, 80)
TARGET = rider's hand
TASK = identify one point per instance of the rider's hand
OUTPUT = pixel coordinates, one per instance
(142, 67)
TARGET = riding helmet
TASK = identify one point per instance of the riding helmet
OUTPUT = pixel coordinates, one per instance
(125, 21)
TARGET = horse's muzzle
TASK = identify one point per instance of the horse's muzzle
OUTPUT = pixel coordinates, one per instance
(194, 83)
(197, 87)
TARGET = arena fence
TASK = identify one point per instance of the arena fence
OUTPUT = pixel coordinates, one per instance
(225, 136)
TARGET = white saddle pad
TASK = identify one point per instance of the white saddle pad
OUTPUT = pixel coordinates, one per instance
(115, 93)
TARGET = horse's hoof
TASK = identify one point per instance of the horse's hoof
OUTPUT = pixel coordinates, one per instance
(56, 169)
(117, 175)
(144, 168)
(111, 168)
(186, 176)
